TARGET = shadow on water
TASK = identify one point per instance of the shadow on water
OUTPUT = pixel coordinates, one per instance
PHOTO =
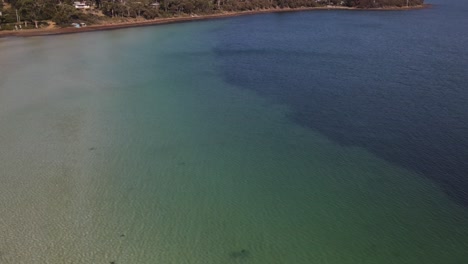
(240, 255)
(400, 95)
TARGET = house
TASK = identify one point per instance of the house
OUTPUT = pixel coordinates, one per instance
(155, 5)
(81, 5)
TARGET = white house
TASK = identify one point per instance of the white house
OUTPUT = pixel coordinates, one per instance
(81, 5)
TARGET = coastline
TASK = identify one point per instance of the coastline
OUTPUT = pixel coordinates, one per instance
(172, 20)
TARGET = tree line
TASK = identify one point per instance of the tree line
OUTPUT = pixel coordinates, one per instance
(382, 3)
(63, 12)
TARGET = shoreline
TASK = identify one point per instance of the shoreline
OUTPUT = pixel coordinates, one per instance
(172, 20)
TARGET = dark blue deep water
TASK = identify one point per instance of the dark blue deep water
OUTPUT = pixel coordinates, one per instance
(394, 83)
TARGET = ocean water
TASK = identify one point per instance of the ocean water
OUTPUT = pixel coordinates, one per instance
(310, 137)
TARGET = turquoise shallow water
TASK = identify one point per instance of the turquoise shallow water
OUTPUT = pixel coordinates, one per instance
(130, 146)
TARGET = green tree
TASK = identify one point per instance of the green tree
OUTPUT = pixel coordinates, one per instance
(2, 20)
(64, 14)
(136, 7)
(150, 13)
(35, 10)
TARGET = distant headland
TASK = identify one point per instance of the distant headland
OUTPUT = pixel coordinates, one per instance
(51, 17)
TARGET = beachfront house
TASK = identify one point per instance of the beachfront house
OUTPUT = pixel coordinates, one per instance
(81, 5)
